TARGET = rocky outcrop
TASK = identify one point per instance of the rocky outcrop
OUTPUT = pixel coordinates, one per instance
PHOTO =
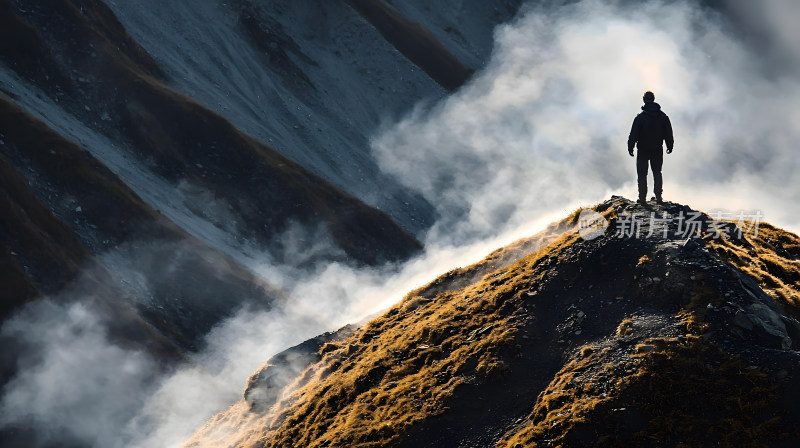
(270, 382)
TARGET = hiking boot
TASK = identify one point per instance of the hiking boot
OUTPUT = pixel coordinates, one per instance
(659, 200)
(642, 201)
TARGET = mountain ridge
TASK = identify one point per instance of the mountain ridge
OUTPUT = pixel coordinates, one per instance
(579, 343)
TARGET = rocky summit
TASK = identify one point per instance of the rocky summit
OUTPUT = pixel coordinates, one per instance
(621, 325)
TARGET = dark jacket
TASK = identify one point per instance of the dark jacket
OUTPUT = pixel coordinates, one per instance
(650, 128)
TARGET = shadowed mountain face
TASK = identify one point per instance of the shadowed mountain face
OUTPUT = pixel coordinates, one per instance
(129, 134)
(111, 85)
(316, 80)
(101, 158)
(632, 334)
(63, 208)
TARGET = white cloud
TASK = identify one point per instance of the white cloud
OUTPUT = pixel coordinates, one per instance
(546, 123)
(73, 383)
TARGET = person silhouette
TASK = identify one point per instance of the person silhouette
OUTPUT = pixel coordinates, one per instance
(650, 129)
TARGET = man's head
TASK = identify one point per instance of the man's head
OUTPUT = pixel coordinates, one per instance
(649, 97)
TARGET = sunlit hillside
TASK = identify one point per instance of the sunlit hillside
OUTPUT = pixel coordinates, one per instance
(610, 341)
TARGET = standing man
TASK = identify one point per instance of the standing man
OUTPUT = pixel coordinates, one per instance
(650, 128)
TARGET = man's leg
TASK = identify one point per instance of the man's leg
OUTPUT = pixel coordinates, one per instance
(656, 162)
(641, 172)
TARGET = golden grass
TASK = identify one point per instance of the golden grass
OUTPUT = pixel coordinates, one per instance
(778, 274)
(694, 313)
(689, 392)
(695, 393)
(402, 367)
(409, 362)
(562, 405)
(405, 366)
(500, 258)
(625, 327)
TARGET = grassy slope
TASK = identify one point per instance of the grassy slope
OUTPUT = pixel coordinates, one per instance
(424, 358)
(401, 367)
(772, 258)
(684, 393)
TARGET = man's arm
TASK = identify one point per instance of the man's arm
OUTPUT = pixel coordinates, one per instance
(668, 134)
(633, 137)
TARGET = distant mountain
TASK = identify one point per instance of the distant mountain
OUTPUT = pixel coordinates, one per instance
(316, 80)
(158, 153)
(633, 332)
(82, 59)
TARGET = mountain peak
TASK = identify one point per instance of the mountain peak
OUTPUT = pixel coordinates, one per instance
(606, 337)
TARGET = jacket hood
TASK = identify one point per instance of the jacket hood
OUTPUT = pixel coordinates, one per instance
(652, 108)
